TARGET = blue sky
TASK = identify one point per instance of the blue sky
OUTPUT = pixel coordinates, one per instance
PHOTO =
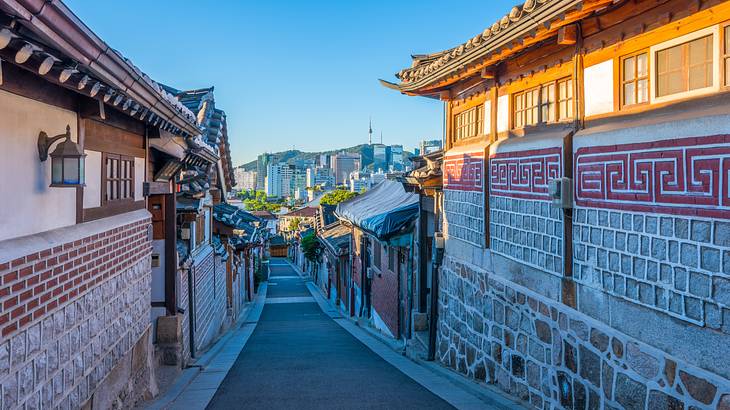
(294, 73)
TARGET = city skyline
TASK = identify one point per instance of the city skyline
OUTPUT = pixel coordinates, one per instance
(247, 56)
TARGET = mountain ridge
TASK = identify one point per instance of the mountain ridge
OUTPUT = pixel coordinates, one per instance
(365, 151)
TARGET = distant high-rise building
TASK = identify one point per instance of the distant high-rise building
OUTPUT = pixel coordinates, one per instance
(320, 176)
(429, 146)
(396, 157)
(343, 164)
(325, 161)
(262, 164)
(245, 180)
(380, 157)
(273, 179)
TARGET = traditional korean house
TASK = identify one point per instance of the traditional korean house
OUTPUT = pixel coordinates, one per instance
(91, 144)
(298, 219)
(336, 239)
(278, 247)
(238, 233)
(585, 202)
(382, 222)
(427, 181)
(202, 269)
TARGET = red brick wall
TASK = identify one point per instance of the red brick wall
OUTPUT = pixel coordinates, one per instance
(385, 294)
(70, 311)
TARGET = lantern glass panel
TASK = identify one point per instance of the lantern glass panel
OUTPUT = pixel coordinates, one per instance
(82, 174)
(56, 170)
(71, 170)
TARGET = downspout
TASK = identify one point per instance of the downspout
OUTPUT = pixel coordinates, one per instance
(433, 316)
(191, 306)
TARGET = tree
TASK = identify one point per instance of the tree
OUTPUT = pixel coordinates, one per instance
(337, 196)
(294, 224)
(311, 248)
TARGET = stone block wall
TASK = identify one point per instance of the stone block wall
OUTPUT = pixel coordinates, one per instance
(527, 231)
(676, 265)
(464, 199)
(552, 356)
(73, 306)
(210, 298)
(464, 213)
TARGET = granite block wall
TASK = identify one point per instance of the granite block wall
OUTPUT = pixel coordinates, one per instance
(551, 356)
(527, 231)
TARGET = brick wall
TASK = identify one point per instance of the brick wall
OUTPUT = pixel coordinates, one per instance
(552, 356)
(385, 296)
(72, 309)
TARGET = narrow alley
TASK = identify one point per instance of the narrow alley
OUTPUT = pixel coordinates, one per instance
(298, 357)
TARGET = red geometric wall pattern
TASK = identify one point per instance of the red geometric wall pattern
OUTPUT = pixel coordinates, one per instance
(525, 174)
(464, 171)
(687, 176)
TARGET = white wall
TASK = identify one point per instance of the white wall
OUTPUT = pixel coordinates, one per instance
(29, 204)
(139, 175)
(598, 81)
(503, 113)
(92, 190)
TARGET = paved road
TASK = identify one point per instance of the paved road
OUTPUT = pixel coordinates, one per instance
(299, 358)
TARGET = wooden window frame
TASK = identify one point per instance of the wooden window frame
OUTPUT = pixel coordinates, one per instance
(553, 106)
(724, 55)
(478, 122)
(516, 113)
(105, 200)
(622, 82)
(715, 32)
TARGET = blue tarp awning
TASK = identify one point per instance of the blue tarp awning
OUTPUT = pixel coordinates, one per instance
(382, 211)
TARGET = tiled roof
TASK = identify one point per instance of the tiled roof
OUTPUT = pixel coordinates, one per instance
(335, 236)
(438, 65)
(306, 212)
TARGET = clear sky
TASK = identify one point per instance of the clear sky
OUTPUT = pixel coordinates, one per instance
(294, 73)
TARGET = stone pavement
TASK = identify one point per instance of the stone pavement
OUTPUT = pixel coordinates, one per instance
(301, 355)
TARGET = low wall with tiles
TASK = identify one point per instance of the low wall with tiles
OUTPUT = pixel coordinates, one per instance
(464, 201)
(75, 315)
(552, 356)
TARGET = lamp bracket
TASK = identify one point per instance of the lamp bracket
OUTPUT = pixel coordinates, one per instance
(45, 142)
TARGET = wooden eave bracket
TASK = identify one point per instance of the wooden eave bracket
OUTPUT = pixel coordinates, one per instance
(568, 35)
(487, 73)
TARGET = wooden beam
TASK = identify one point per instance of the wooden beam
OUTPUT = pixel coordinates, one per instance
(487, 73)
(445, 95)
(567, 35)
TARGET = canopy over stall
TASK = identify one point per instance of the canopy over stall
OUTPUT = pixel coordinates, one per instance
(382, 211)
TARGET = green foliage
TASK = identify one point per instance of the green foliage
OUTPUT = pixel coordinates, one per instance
(337, 196)
(257, 201)
(294, 225)
(311, 247)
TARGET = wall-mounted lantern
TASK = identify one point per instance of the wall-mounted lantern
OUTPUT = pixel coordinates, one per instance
(67, 160)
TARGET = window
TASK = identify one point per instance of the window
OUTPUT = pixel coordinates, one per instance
(565, 99)
(118, 178)
(635, 79)
(684, 67)
(392, 255)
(376, 254)
(526, 108)
(726, 53)
(469, 123)
(548, 103)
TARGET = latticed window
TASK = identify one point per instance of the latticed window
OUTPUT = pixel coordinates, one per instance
(118, 178)
(526, 108)
(684, 67)
(565, 99)
(469, 123)
(635, 79)
(547, 102)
